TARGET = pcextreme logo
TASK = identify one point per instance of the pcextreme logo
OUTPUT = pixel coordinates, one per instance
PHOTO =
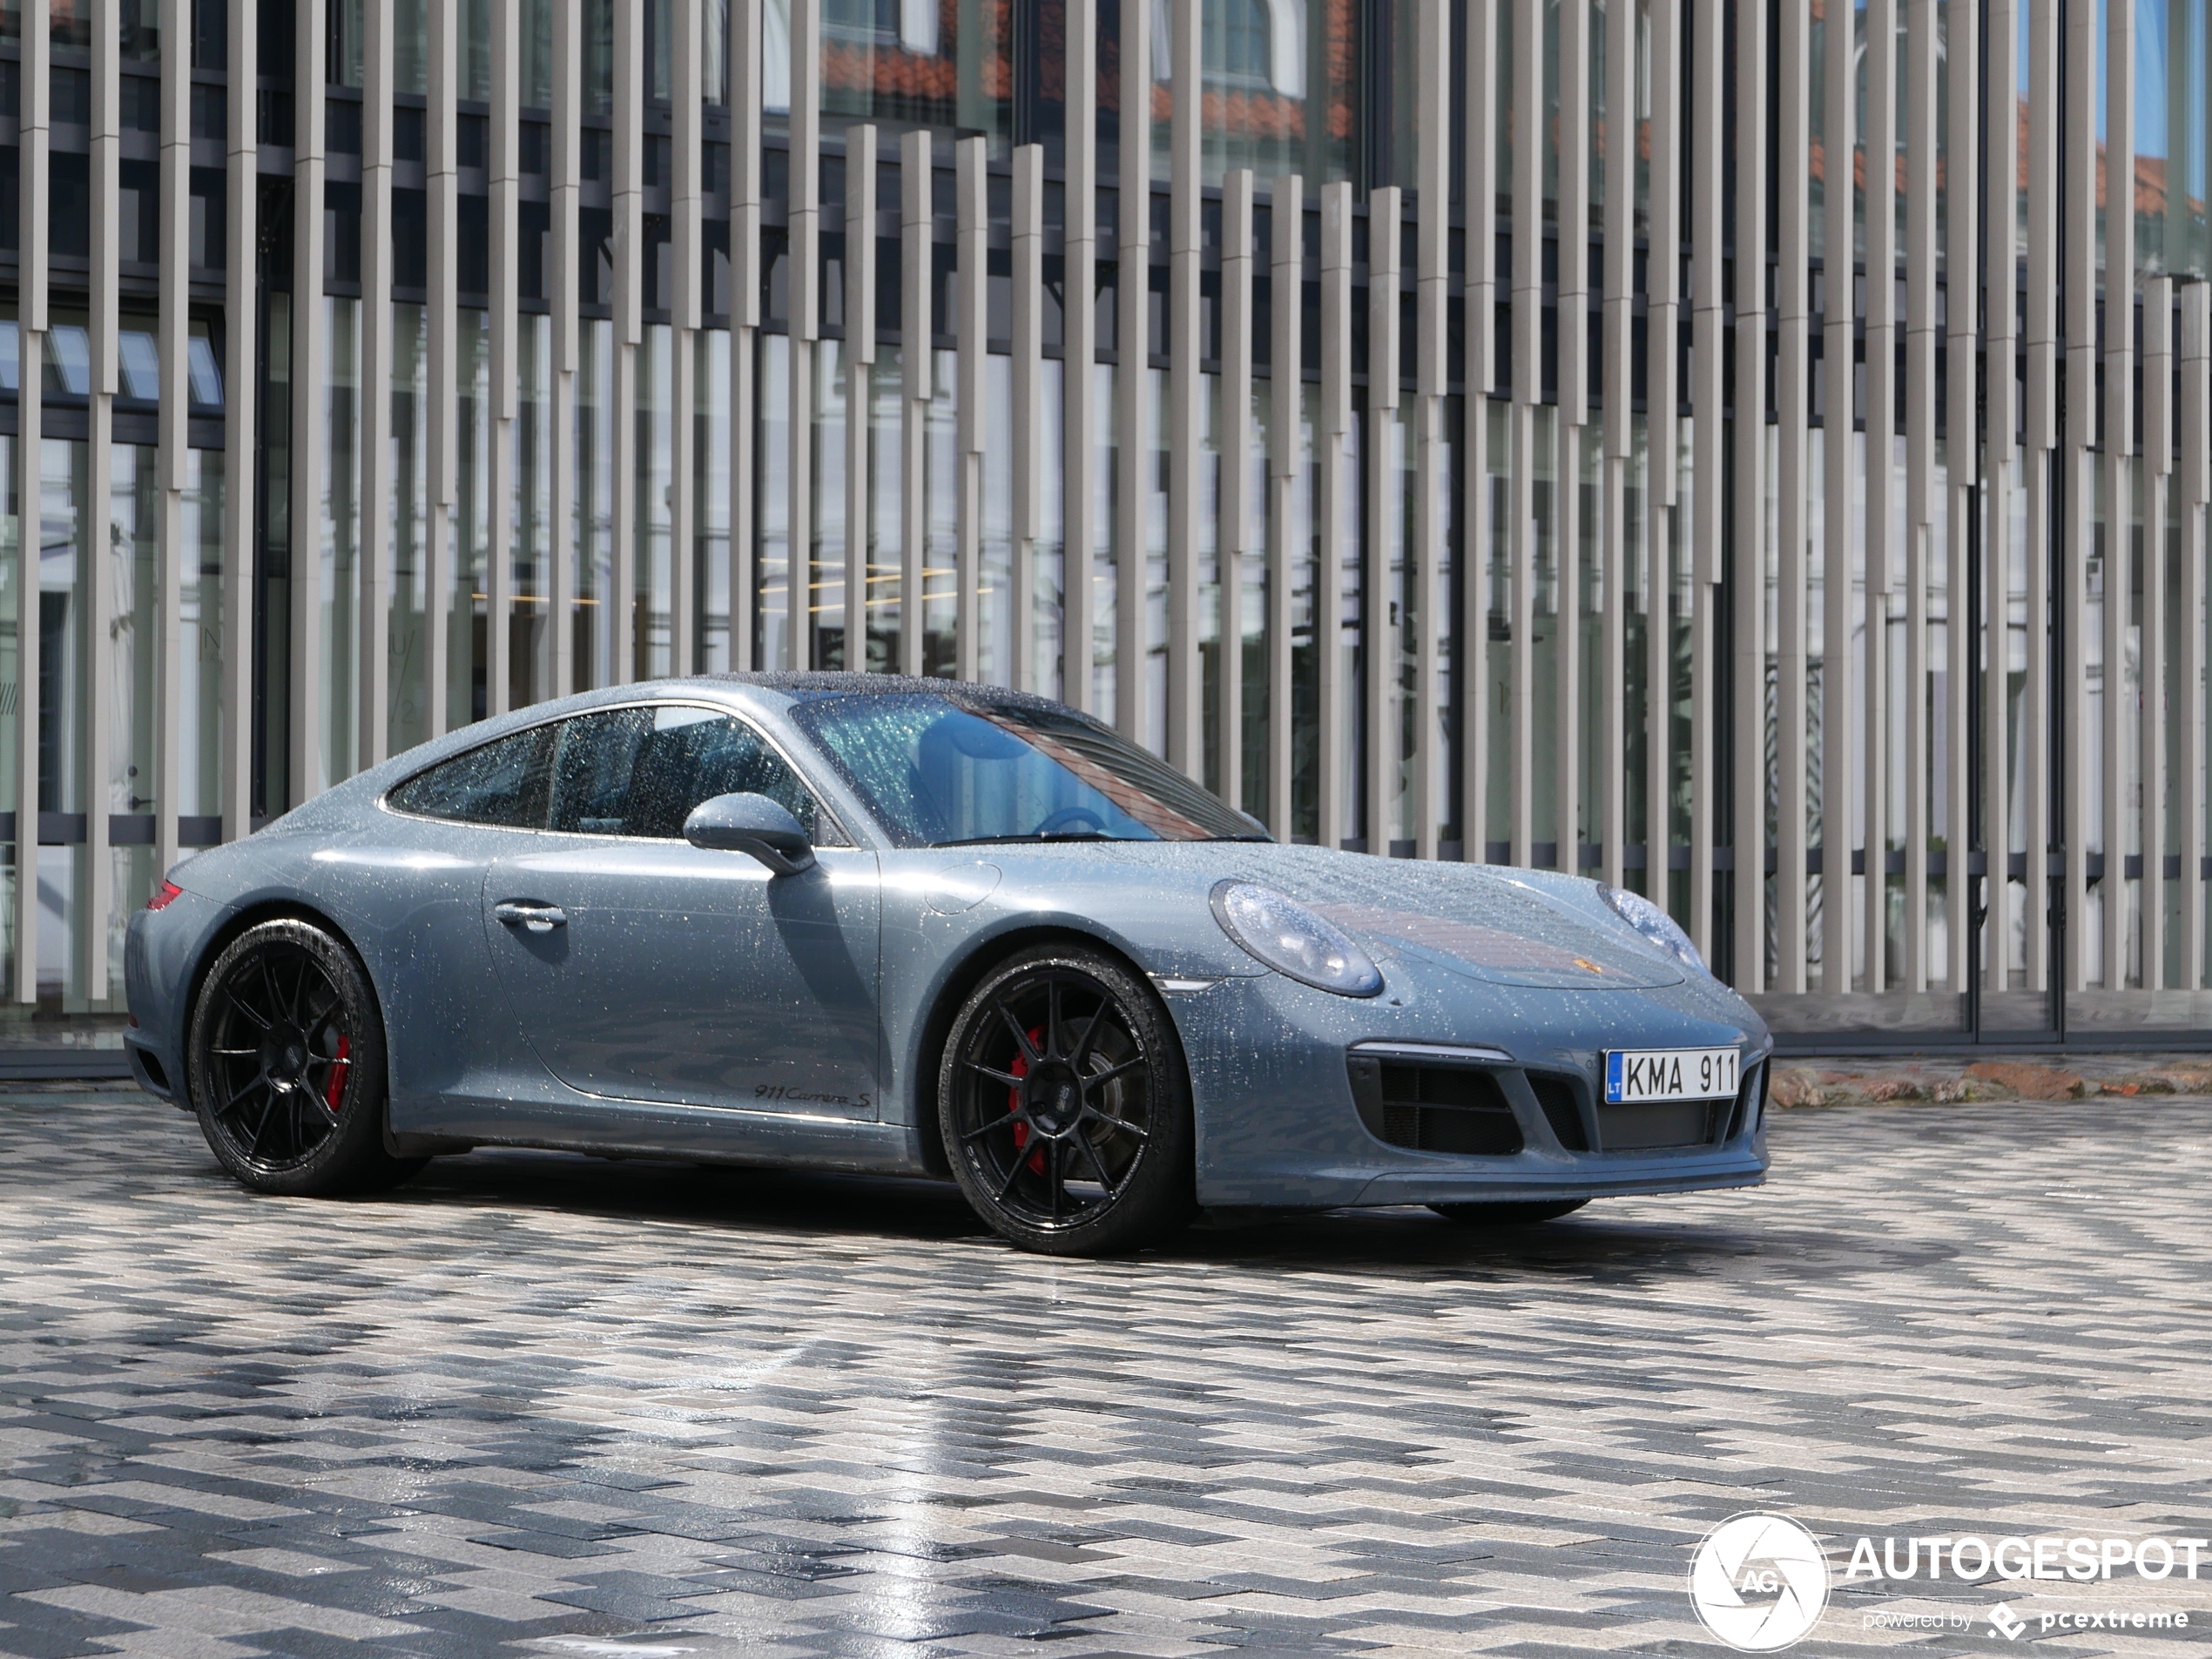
(1759, 1582)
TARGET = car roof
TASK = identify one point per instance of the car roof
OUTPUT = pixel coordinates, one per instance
(799, 685)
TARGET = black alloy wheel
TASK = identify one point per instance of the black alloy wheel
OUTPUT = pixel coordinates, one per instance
(1065, 1107)
(1509, 1215)
(285, 1065)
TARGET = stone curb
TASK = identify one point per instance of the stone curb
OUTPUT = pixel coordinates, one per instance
(1843, 1082)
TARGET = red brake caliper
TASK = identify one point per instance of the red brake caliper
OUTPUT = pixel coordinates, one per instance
(1020, 1069)
(334, 1092)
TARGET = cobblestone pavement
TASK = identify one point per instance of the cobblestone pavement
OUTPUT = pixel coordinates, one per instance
(532, 1405)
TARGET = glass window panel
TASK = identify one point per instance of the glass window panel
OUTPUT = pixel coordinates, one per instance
(594, 525)
(466, 653)
(537, 54)
(530, 670)
(714, 49)
(140, 22)
(410, 554)
(68, 361)
(598, 57)
(902, 64)
(771, 611)
(711, 486)
(642, 771)
(345, 39)
(335, 602)
(202, 372)
(688, 756)
(938, 769)
(475, 48)
(653, 612)
(410, 46)
(503, 785)
(200, 618)
(531, 518)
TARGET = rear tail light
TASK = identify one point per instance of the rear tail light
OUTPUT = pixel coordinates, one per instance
(168, 893)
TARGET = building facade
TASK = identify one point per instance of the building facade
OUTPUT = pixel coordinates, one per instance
(1731, 450)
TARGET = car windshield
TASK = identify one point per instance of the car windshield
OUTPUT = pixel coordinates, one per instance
(938, 772)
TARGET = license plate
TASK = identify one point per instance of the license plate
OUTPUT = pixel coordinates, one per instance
(1669, 1074)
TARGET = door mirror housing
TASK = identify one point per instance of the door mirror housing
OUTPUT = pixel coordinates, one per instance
(751, 824)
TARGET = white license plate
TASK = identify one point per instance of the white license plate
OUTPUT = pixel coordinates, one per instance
(1669, 1073)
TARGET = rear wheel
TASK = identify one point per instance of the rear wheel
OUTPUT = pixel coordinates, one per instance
(285, 1065)
(1065, 1108)
(1508, 1215)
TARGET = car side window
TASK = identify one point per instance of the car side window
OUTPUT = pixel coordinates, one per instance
(640, 771)
(591, 767)
(502, 785)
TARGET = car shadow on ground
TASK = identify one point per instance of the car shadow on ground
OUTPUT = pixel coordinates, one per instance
(1746, 1231)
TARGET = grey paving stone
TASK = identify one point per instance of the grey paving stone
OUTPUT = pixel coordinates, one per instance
(529, 1400)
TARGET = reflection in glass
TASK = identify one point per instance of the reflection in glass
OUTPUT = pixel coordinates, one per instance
(411, 46)
(408, 644)
(771, 555)
(886, 458)
(1278, 85)
(61, 687)
(466, 655)
(528, 669)
(594, 529)
(134, 520)
(903, 63)
(341, 527)
(650, 641)
(537, 54)
(711, 486)
(940, 770)
(201, 637)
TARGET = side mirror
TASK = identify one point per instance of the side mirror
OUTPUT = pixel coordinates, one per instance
(751, 824)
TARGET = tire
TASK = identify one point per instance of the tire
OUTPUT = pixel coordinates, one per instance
(1508, 1215)
(1065, 1107)
(285, 1061)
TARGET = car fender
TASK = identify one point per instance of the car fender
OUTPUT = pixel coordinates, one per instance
(933, 956)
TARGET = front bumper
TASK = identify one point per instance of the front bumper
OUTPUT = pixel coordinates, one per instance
(1279, 1125)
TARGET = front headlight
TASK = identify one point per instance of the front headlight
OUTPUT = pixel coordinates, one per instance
(1292, 940)
(1654, 924)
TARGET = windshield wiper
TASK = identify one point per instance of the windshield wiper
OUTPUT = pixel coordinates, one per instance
(1057, 835)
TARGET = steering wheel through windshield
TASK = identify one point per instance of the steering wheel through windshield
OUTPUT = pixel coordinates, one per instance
(1071, 818)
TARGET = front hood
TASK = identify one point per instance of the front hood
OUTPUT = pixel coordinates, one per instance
(1482, 921)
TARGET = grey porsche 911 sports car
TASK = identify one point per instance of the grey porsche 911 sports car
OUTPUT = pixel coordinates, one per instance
(854, 922)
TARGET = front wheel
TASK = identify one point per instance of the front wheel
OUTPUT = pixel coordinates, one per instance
(1064, 1106)
(1508, 1215)
(286, 1064)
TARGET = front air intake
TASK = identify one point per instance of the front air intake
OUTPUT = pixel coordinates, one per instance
(1562, 1105)
(1749, 1100)
(1429, 1107)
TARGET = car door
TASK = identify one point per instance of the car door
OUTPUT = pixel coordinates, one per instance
(642, 968)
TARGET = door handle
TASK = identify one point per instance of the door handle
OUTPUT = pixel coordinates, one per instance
(538, 918)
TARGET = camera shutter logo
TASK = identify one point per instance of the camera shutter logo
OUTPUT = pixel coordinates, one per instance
(1759, 1581)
